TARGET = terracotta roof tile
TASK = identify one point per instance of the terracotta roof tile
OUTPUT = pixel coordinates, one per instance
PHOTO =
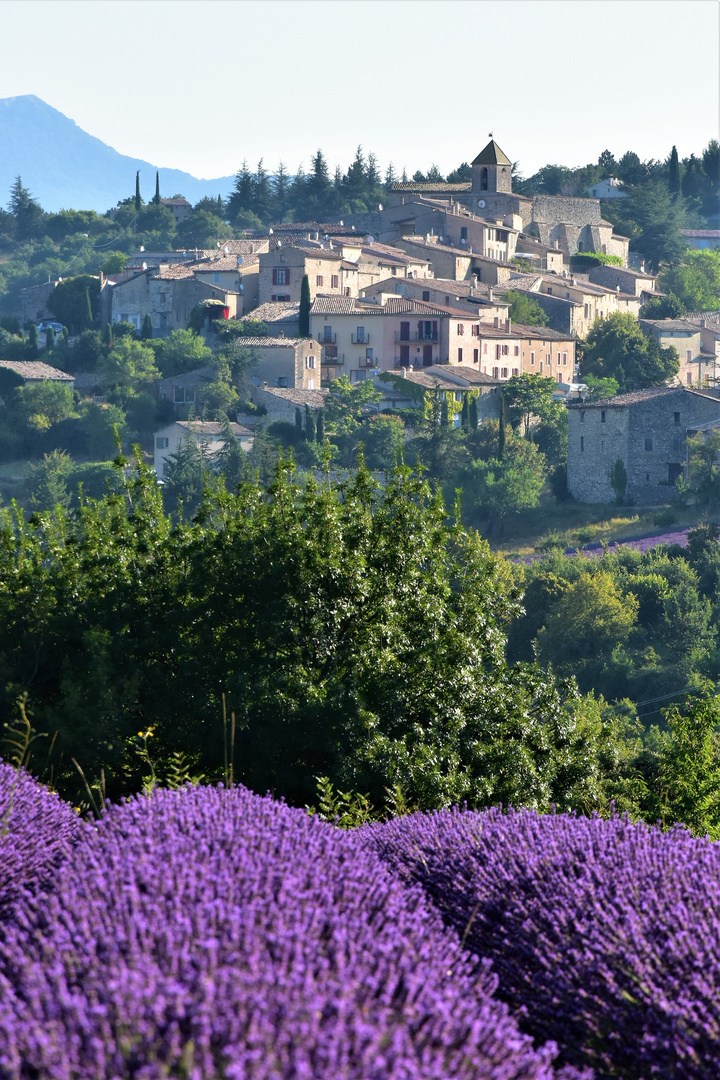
(35, 369)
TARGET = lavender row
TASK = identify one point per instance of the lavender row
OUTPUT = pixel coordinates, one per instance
(207, 933)
(605, 935)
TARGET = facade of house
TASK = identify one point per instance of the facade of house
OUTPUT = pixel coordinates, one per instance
(572, 304)
(280, 403)
(208, 436)
(281, 272)
(699, 361)
(185, 391)
(289, 362)
(167, 295)
(179, 208)
(701, 239)
(407, 388)
(480, 299)
(610, 188)
(646, 430)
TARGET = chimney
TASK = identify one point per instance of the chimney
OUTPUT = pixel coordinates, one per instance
(496, 323)
(508, 325)
(703, 324)
(491, 296)
(403, 372)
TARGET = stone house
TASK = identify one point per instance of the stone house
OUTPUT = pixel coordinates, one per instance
(698, 360)
(290, 362)
(185, 390)
(234, 273)
(167, 295)
(179, 208)
(625, 280)
(701, 239)
(281, 272)
(610, 188)
(281, 318)
(209, 437)
(471, 295)
(35, 371)
(280, 403)
(646, 430)
(33, 301)
(407, 388)
(573, 304)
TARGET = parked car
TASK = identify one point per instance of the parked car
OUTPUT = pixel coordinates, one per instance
(56, 327)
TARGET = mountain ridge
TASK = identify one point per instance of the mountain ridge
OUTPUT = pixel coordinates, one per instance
(65, 167)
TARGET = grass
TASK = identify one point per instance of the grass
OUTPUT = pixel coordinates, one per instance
(561, 525)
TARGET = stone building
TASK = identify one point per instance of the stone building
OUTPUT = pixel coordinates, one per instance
(646, 430)
(167, 295)
(280, 403)
(282, 270)
(699, 361)
(208, 435)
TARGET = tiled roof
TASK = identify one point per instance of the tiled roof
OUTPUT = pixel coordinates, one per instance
(457, 290)
(35, 369)
(189, 378)
(332, 228)
(421, 242)
(314, 398)
(274, 311)
(348, 305)
(175, 202)
(176, 273)
(636, 396)
(544, 333)
(421, 187)
(492, 155)
(669, 325)
(701, 234)
(226, 262)
(272, 342)
(207, 427)
(447, 376)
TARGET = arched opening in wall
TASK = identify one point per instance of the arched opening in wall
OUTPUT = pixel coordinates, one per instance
(484, 180)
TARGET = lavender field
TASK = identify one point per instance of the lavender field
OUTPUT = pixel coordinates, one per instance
(209, 933)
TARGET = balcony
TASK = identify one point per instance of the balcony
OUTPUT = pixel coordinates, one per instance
(363, 339)
(427, 338)
(368, 361)
(330, 351)
(326, 339)
(415, 362)
(333, 360)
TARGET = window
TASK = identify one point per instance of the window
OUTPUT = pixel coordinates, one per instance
(404, 331)
(334, 281)
(162, 443)
(648, 443)
(360, 334)
(463, 232)
(549, 292)
(311, 384)
(676, 444)
(319, 279)
(327, 333)
(498, 352)
(517, 350)
(485, 349)
(602, 417)
(582, 444)
(532, 359)
(309, 362)
(459, 356)
(476, 356)
(281, 275)
(183, 394)
(558, 359)
(564, 359)
(506, 350)
(496, 372)
(369, 356)
(516, 372)
(447, 299)
(458, 395)
(676, 417)
(281, 380)
(688, 356)
(475, 330)
(216, 277)
(461, 329)
(689, 378)
(503, 373)
(426, 294)
(582, 416)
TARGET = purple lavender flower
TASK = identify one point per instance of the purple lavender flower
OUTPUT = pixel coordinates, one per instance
(207, 933)
(605, 935)
(37, 833)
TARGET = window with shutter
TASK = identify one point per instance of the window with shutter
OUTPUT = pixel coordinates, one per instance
(275, 276)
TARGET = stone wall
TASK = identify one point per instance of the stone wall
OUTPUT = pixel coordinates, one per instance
(556, 208)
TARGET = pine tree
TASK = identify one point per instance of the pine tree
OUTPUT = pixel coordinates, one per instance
(147, 328)
(156, 198)
(280, 193)
(320, 427)
(298, 194)
(501, 429)
(674, 172)
(20, 198)
(309, 425)
(372, 173)
(241, 197)
(390, 177)
(304, 313)
(262, 193)
(138, 199)
(355, 176)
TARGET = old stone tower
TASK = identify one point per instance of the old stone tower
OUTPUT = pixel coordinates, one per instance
(491, 171)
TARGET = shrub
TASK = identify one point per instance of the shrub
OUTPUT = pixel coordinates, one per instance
(209, 932)
(605, 934)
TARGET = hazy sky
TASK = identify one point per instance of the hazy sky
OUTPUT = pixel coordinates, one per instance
(201, 84)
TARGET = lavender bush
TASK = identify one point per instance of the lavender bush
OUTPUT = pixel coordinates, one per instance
(37, 833)
(206, 933)
(605, 935)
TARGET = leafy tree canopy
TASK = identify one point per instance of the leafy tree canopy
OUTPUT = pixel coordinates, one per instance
(617, 348)
(525, 310)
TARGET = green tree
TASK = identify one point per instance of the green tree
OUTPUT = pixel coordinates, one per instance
(618, 480)
(74, 301)
(38, 406)
(201, 229)
(156, 196)
(500, 487)
(591, 618)
(674, 172)
(525, 310)
(138, 198)
(304, 313)
(617, 348)
(129, 367)
(47, 482)
(599, 389)
(696, 281)
(689, 781)
(181, 351)
(529, 398)
(704, 466)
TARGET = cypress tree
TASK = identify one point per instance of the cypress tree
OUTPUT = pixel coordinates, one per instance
(465, 414)
(320, 427)
(156, 199)
(107, 336)
(304, 313)
(147, 328)
(33, 340)
(88, 315)
(501, 429)
(298, 423)
(309, 425)
(444, 413)
(674, 172)
(49, 338)
(473, 414)
(138, 200)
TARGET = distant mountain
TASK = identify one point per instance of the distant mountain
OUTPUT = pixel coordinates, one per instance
(65, 168)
